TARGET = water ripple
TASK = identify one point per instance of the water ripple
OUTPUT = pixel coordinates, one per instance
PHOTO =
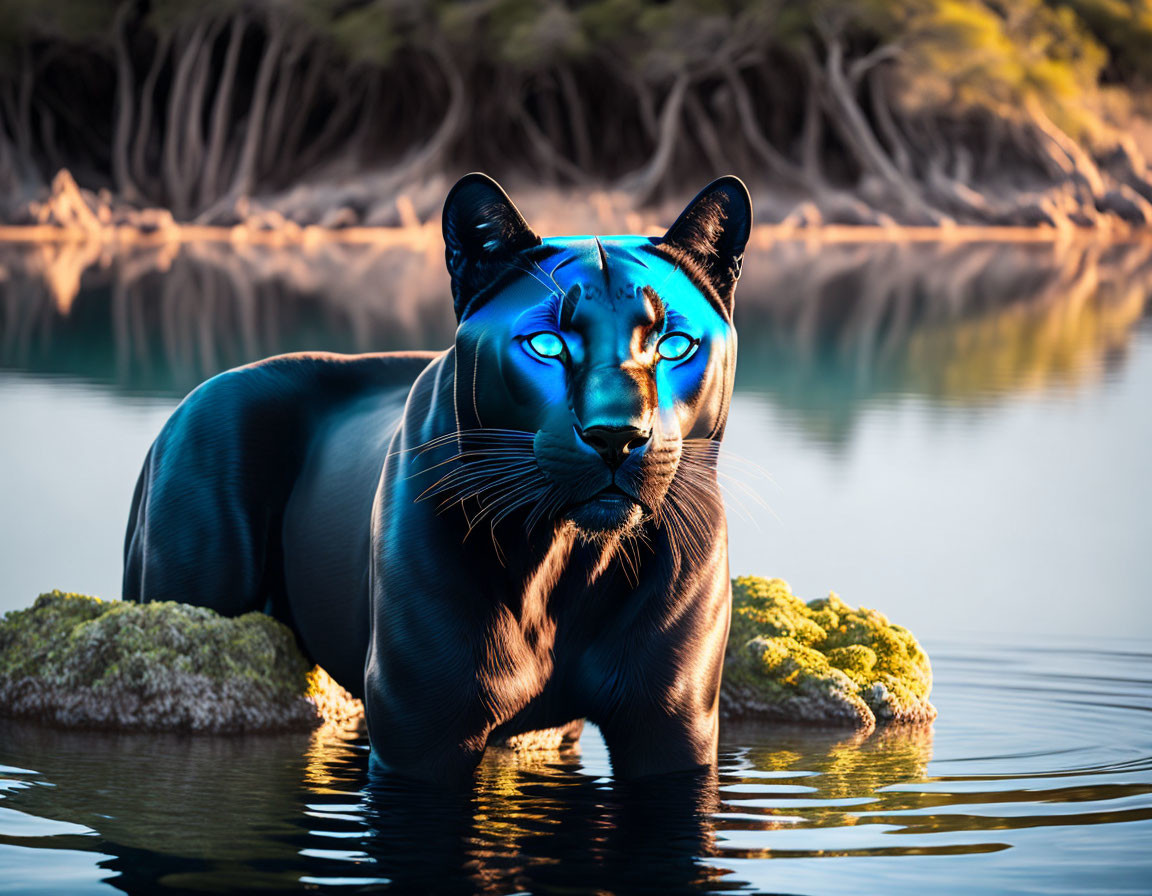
(1041, 758)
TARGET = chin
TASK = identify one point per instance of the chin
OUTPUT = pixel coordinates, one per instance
(605, 515)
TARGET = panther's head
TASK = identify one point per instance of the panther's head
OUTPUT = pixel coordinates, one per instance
(591, 373)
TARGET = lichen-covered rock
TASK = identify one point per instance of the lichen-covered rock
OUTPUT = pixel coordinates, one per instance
(543, 740)
(77, 660)
(332, 702)
(821, 661)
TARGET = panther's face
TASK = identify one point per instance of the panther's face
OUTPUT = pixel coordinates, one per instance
(591, 373)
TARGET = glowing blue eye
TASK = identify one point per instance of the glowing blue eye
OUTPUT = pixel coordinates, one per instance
(676, 346)
(546, 345)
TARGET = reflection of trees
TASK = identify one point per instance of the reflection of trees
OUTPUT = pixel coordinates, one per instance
(825, 329)
(163, 319)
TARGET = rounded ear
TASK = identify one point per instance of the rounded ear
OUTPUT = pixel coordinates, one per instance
(483, 231)
(711, 233)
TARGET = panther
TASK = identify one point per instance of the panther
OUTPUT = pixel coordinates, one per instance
(518, 533)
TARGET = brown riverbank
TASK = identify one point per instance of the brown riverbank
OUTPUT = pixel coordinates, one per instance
(72, 214)
(419, 237)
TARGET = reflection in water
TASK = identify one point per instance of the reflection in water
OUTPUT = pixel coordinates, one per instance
(164, 792)
(298, 809)
(1041, 760)
(821, 327)
(536, 829)
(158, 320)
(267, 811)
(824, 331)
(843, 766)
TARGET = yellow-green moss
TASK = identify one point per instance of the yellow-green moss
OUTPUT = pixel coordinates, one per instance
(76, 660)
(821, 661)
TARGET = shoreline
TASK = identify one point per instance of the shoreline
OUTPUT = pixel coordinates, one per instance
(427, 235)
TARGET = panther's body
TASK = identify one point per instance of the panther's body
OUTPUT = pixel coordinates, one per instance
(517, 533)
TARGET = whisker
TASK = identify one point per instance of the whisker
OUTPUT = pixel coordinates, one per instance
(459, 477)
(514, 499)
(484, 492)
(698, 452)
(553, 287)
(628, 565)
(512, 507)
(550, 276)
(510, 496)
(544, 508)
(495, 453)
(488, 433)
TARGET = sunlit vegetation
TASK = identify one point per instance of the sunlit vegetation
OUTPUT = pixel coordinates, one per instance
(917, 110)
(822, 661)
(78, 661)
(845, 327)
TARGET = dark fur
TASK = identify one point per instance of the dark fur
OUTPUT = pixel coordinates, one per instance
(300, 485)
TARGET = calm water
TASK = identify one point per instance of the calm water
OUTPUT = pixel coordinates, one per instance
(958, 436)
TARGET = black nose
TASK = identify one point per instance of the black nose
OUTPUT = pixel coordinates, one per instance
(615, 443)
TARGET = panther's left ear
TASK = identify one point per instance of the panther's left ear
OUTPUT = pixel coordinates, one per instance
(483, 232)
(711, 233)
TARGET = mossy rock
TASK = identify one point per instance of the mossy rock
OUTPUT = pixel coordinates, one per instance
(822, 662)
(79, 661)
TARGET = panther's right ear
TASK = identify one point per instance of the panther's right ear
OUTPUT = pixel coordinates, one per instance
(710, 235)
(483, 232)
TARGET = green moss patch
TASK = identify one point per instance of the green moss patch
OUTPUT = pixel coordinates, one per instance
(821, 661)
(77, 660)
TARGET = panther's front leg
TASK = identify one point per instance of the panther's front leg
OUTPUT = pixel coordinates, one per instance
(426, 719)
(433, 703)
(441, 675)
(662, 708)
(650, 740)
(447, 663)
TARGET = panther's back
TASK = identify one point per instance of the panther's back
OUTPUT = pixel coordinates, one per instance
(207, 518)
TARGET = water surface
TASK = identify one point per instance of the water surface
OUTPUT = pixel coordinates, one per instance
(956, 435)
(1036, 778)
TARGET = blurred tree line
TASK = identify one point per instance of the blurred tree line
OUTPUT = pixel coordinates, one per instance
(922, 108)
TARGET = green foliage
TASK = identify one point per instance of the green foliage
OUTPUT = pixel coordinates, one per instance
(1124, 27)
(528, 35)
(369, 33)
(972, 54)
(23, 22)
(82, 661)
(30, 640)
(973, 45)
(570, 88)
(820, 661)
